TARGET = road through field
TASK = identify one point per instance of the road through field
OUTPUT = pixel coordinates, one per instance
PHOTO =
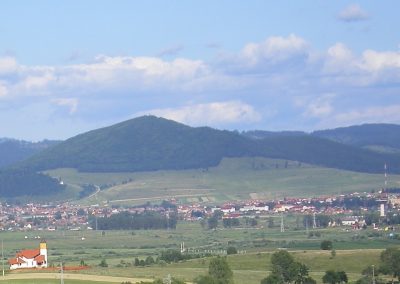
(72, 276)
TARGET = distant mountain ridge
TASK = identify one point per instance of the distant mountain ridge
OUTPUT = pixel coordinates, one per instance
(369, 136)
(13, 151)
(376, 137)
(149, 143)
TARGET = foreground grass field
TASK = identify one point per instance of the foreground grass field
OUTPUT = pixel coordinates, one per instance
(355, 250)
(233, 179)
(49, 281)
(249, 268)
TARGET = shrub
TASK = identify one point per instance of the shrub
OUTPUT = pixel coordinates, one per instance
(326, 245)
(231, 250)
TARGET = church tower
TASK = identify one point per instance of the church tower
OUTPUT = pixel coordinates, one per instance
(43, 250)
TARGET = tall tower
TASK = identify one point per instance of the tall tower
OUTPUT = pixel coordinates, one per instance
(384, 198)
(386, 176)
(43, 250)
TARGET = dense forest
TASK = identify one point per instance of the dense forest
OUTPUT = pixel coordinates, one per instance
(18, 182)
(384, 135)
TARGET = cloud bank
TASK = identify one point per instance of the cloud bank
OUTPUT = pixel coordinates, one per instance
(281, 82)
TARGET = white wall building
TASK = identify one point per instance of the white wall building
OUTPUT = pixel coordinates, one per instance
(30, 258)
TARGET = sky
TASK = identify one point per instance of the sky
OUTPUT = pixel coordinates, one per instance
(67, 67)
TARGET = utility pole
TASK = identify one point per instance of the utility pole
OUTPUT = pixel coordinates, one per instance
(282, 224)
(307, 232)
(2, 255)
(62, 274)
(373, 274)
(314, 225)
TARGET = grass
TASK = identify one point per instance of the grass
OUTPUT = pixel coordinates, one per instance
(50, 281)
(355, 250)
(233, 179)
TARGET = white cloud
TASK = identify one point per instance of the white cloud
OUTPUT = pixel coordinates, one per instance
(7, 65)
(284, 75)
(353, 13)
(339, 58)
(212, 114)
(71, 103)
(37, 81)
(321, 106)
(374, 61)
(274, 49)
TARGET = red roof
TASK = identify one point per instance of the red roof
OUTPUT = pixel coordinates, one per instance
(40, 259)
(29, 253)
(12, 261)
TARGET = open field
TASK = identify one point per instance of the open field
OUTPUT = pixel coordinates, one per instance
(355, 250)
(233, 179)
(50, 278)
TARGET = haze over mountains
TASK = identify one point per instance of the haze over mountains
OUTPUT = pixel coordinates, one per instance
(12, 151)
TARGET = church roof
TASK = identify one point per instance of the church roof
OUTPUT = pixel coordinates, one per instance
(29, 253)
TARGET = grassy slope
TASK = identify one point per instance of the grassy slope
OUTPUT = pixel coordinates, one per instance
(234, 178)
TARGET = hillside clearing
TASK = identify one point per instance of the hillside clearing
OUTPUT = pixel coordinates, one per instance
(233, 179)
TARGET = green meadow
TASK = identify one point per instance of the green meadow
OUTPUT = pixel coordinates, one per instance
(233, 179)
(355, 250)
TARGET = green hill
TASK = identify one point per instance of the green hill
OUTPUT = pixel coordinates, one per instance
(326, 153)
(143, 144)
(380, 137)
(149, 143)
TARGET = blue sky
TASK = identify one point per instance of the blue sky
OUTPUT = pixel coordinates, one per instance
(71, 66)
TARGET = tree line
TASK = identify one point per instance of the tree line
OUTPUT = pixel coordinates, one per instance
(135, 221)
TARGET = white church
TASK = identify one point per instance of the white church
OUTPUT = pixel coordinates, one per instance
(30, 258)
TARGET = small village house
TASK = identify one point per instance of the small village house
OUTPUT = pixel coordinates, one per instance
(30, 258)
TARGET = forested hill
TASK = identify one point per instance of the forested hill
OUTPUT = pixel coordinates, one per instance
(373, 136)
(144, 144)
(12, 151)
(149, 143)
(326, 153)
(28, 183)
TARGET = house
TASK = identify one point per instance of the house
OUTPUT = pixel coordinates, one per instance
(30, 258)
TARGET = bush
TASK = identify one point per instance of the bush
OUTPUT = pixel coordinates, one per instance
(231, 250)
(326, 245)
(103, 263)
